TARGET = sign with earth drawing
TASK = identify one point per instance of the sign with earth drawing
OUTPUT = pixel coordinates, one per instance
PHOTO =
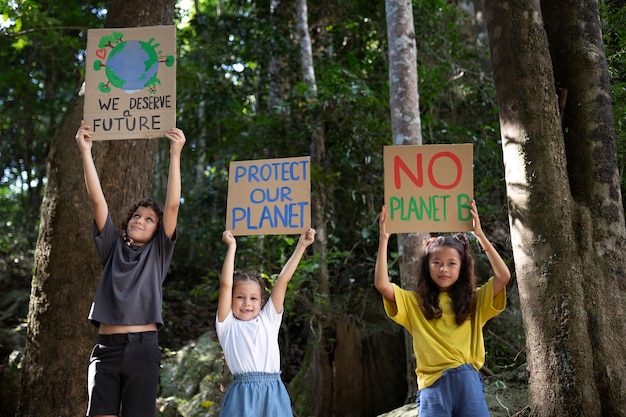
(130, 82)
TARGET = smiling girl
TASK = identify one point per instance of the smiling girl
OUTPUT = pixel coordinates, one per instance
(247, 328)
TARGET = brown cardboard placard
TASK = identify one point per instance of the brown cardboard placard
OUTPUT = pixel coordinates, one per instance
(269, 196)
(428, 188)
(130, 82)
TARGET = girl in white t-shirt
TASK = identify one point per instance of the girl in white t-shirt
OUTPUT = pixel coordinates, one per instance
(247, 328)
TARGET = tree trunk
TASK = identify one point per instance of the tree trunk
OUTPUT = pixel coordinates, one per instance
(66, 265)
(322, 382)
(406, 130)
(565, 210)
(279, 73)
(482, 37)
(366, 361)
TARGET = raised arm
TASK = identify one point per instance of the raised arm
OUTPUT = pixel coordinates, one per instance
(92, 181)
(280, 287)
(225, 300)
(172, 200)
(501, 273)
(381, 274)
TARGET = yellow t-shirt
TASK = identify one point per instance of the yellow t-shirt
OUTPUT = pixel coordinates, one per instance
(441, 344)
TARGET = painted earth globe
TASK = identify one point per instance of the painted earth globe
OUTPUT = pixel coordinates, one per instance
(132, 65)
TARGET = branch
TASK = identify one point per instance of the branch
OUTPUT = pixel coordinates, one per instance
(27, 31)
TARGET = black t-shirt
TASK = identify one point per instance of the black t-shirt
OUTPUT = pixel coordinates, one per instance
(130, 290)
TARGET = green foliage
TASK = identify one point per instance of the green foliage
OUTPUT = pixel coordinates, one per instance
(11, 210)
(223, 95)
(614, 31)
(16, 259)
(40, 51)
(227, 112)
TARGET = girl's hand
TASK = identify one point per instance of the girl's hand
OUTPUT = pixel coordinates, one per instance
(228, 238)
(307, 238)
(382, 223)
(477, 228)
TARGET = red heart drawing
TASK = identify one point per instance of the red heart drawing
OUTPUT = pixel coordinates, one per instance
(101, 53)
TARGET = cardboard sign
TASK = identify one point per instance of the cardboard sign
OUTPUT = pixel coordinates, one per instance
(428, 188)
(130, 82)
(269, 196)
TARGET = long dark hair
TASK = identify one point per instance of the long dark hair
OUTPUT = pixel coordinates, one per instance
(462, 292)
(148, 202)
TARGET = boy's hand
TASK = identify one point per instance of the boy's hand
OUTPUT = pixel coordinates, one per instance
(83, 137)
(177, 140)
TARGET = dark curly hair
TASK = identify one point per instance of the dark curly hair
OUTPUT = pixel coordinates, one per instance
(462, 292)
(148, 202)
(240, 276)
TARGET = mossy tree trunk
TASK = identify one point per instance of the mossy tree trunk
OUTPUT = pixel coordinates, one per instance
(565, 207)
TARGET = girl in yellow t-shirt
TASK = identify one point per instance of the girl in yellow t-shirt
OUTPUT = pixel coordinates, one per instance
(445, 316)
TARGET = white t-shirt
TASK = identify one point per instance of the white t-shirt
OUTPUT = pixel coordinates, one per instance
(251, 346)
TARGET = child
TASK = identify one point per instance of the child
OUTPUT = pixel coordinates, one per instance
(445, 317)
(247, 329)
(124, 364)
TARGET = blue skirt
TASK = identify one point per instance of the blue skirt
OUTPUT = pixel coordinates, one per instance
(256, 394)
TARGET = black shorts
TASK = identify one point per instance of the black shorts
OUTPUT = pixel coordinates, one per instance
(124, 374)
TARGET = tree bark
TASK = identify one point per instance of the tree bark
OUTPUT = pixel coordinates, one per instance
(406, 130)
(279, 74)
(66, 265)
(565, 210)
(322, 381)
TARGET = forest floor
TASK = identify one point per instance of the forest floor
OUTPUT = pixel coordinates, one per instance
(506, 393)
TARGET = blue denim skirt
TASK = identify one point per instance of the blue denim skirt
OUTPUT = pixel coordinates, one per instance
(256, 394)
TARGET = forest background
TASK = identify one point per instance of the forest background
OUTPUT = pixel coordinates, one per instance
(229, 112)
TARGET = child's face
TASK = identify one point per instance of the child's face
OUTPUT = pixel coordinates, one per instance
(444, 265)
(246, 300)
(142, 225)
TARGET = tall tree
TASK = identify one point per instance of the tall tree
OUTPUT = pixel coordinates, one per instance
(406, 130)
(322, 375)
(565, 208)
(66, 273)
